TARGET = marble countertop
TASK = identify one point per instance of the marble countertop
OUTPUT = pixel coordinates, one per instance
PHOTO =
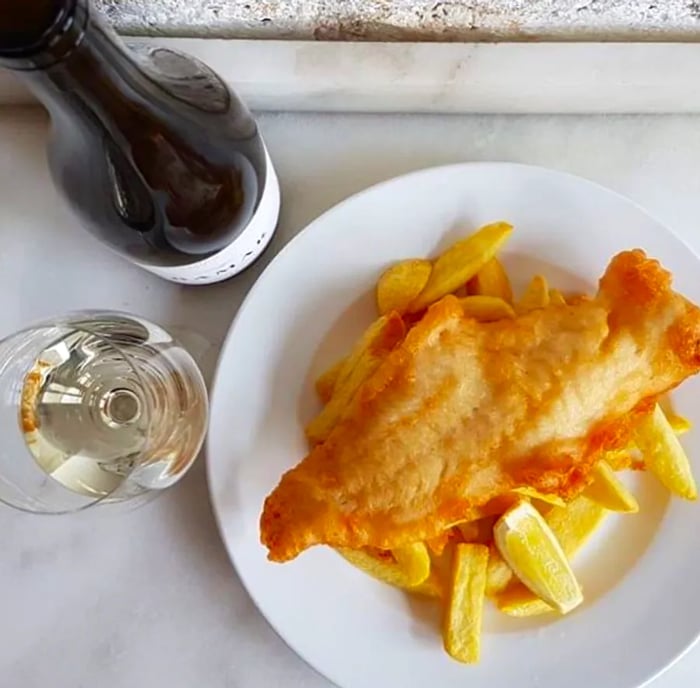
(148, 597)
(411, 20)
(513, 78)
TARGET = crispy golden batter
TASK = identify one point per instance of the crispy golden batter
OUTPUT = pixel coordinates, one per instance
(461, 412)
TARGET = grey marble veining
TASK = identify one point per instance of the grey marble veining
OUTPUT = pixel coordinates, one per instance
(411, 20)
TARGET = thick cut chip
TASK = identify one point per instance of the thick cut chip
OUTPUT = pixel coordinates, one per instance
(382, 336)
(462, 628)
(486, 308)
(440, 570)
(401, 284)
(406, 567)
(620, 459)
(371, 338)
(498, 574)
(414, 560)
(491, 280)
(325, 383)
(532, 493)
(608, 491)
(556, 298)
(461, 262)
(680, 424)
(517, 600)
(432, 586)
(664, 455)
(574, 523)
(536, 295)
(534, 554)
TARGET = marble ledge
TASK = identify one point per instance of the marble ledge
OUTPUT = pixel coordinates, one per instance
(447, 78)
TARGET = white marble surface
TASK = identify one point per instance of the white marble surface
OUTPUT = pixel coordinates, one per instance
(148, 598)
(447, 78)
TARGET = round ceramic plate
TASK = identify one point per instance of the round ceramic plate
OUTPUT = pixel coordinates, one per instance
(640, 572)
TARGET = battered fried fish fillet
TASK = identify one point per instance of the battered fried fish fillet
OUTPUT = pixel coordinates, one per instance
(462, 412)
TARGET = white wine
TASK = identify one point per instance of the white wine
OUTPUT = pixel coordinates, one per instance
(112, 408)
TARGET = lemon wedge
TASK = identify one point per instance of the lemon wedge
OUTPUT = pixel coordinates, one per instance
(572, 525)
(536, 295)
(531, 549)
(608, 491)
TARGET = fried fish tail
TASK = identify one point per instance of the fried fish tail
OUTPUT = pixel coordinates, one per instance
(316, 519)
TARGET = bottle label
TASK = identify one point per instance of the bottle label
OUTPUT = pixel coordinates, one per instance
(238, 255)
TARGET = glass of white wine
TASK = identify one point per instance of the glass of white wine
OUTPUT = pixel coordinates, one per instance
(96, 407)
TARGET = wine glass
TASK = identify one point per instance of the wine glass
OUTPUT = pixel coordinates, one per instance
(96, 407)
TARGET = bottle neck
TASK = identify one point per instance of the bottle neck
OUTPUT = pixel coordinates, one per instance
(38, 34)
(83, 68)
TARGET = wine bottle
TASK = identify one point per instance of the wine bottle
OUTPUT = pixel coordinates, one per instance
(158, 157)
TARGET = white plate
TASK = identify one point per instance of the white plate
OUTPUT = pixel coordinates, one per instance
(640, 576)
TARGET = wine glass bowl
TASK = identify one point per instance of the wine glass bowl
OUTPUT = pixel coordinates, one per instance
(96, 407)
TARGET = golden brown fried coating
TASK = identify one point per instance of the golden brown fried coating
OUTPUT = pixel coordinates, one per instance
(461, 412)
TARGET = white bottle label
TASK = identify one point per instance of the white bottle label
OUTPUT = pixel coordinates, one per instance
(241, 252)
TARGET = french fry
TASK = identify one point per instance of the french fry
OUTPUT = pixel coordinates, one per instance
(414, 561)
(461, 262)
(574, 523)
(437, 583)
(576, 299)
(517, 600)
(532, 493)
(679, 424)
(498, 574)
(367, 341)
(432, 586)
(382, 336)
(620, 459)
(400, 284)
(441, 564)
(608, 491)
(556, 298)
(536, 295)
(664, 455)
(325, 383)
(486, 308)
(463, 615)
(406, 568)
(491, 280)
